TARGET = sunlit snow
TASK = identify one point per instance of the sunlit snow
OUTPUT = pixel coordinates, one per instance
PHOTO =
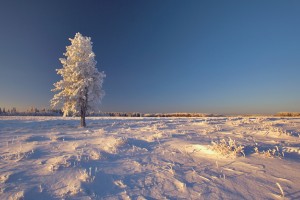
(149, 158)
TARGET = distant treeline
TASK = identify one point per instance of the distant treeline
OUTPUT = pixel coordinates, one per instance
(32, 111)
(288, 114)
(136, 114)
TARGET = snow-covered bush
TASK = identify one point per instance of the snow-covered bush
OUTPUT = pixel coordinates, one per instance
(270, 153)
(228, 148)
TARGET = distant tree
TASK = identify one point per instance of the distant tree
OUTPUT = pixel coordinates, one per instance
(14, 110)
(32, 110)
(0, 111)
(81, 84)
(3, 111)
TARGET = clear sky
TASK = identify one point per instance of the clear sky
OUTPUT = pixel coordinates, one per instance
(159, 56)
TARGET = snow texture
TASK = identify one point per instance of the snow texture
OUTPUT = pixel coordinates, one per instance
(149, 158)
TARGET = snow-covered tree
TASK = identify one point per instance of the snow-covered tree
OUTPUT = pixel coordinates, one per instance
(81, 84)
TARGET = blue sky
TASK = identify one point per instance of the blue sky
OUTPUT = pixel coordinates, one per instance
(159, 56)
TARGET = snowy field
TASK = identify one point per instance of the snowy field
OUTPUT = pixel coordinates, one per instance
(150, 158)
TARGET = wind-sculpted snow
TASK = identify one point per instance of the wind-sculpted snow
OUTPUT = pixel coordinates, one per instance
(150, 158)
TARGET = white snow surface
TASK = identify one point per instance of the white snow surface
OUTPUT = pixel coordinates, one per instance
(148, 158)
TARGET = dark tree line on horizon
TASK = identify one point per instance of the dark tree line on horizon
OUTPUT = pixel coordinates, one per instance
(33, 111)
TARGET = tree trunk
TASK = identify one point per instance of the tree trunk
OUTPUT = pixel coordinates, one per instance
(83, 110)
(82, 120)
